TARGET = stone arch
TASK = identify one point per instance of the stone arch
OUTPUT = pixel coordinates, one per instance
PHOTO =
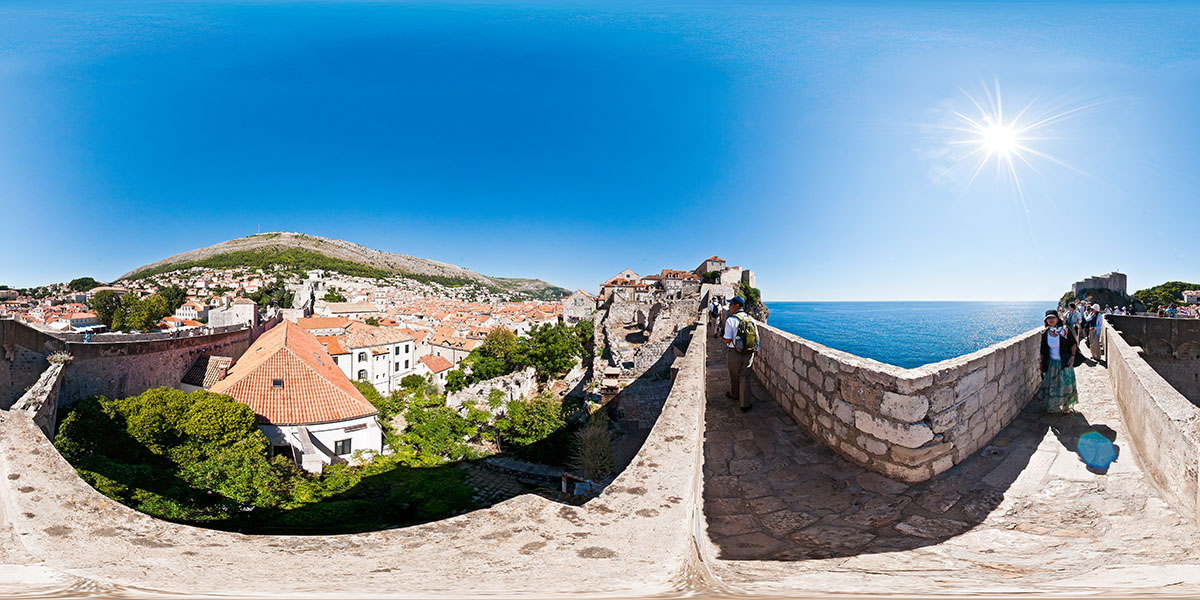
(1188, 351)
(1159, 348)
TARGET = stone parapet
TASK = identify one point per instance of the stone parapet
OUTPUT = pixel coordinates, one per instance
(1163, 426)
(637, 538)
(907, 424)
(40, 402)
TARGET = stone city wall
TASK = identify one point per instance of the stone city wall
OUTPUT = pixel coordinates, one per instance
(907, 424)
(41, 401)
(1163, 426)
(1170, 346)
(113, 369)
(637, 538)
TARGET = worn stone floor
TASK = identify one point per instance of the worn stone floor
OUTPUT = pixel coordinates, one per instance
(1024, 514)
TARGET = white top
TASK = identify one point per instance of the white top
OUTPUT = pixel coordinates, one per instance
(731, 327)
(1054, 340)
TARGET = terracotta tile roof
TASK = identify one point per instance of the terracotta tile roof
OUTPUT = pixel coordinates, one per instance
(314, 389)
(322, 322)
(436, 364)
(332, 345)
(207, 370)
(361, 335)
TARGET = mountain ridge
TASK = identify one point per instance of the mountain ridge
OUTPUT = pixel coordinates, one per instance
(374, 263)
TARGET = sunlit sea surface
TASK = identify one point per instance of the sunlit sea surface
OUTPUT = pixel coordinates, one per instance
(907, 334)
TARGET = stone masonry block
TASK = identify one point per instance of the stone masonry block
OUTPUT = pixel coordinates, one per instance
(830, 383)
(908, 409)
(872, 445)
(806, 353)
(814, 375)
(919, 456)
(943, 464)
(854, 453)
(843, 411)
(906, 474)
(904, 434)
(970, 383)
(825, 363)
(947, 374)
(989, 395)
(941, 398)
(908, 386)
(943, 421)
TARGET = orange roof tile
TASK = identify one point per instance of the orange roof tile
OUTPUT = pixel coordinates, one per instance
(314, 389)
(436, 364)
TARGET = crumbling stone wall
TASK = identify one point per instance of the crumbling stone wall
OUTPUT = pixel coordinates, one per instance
(667, 321)
(908, 424)
(1163, 425)
(522, 384)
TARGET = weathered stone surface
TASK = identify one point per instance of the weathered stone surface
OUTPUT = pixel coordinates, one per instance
(872, 445)
(879, 511)
(784, 522)
(938, 502)
(919, 456)
(941, 398)
(971, 383)
(906, 408)
(907, 435)
(833, 539)
(931, 528)
(879, 484)
(943, 421)
(907, 385)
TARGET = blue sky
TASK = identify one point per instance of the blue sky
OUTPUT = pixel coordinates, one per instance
(569, 140)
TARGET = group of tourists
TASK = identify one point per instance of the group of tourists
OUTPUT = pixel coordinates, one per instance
(1060, 350)
(1180, 312)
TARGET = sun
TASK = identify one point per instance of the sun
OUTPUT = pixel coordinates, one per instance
(1000, 139)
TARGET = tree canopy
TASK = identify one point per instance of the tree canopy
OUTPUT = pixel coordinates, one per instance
(1168, 294)
(83, 284)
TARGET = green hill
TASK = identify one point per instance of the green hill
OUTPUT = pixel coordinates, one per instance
(300, 252)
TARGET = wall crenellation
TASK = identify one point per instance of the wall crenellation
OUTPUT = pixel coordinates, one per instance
(908, 424)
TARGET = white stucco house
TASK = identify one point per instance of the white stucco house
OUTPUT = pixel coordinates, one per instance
(305, 404)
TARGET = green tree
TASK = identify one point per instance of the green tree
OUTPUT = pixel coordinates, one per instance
(711, 277)
(530, 421)
(1169, 294)
(456, 380)
(333, 296)
(550, 349)
(83, 284)
(174, 295)
(371, 321)
(105, 303)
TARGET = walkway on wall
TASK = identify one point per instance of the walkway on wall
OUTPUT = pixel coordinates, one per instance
(1022, 514)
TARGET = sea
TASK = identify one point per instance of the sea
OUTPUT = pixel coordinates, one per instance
(907, 334)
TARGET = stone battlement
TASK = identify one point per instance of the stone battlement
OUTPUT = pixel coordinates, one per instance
(908, 424)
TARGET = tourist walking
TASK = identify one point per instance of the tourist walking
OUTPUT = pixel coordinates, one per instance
(1073, 318)
(1095, 325)
(1059, 350)
(741, 341)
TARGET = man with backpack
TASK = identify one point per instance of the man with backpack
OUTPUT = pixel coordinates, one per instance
(741, 339)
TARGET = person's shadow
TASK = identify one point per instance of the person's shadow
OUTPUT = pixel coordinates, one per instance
(1071, 427)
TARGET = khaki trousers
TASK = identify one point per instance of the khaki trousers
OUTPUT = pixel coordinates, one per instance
(1094, 343)
(739, 375)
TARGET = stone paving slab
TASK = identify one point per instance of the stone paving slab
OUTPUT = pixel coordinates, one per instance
(1022, 515)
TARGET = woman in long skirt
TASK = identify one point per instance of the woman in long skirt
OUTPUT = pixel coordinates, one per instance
(1058, 365)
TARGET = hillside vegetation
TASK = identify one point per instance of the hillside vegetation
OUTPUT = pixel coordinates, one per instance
(304, 252)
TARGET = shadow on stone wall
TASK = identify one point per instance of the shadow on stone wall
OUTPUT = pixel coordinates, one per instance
(772, 492)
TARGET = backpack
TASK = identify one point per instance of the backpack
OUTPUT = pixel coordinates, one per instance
(713, 311)
(747, 334)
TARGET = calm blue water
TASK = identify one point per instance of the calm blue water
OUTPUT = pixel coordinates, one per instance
(907, 334)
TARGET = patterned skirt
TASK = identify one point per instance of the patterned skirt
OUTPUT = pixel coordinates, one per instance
(1058, 387)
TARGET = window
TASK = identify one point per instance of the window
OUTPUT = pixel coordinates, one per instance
(397, 350)
(406, 364)
(362, 374)
(277, 384)
(406, 348)
(341, 447)
(335, 360)
(397, 367)
(362, 357)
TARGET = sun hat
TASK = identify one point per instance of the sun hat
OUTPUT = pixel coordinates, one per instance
(1095, 307)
